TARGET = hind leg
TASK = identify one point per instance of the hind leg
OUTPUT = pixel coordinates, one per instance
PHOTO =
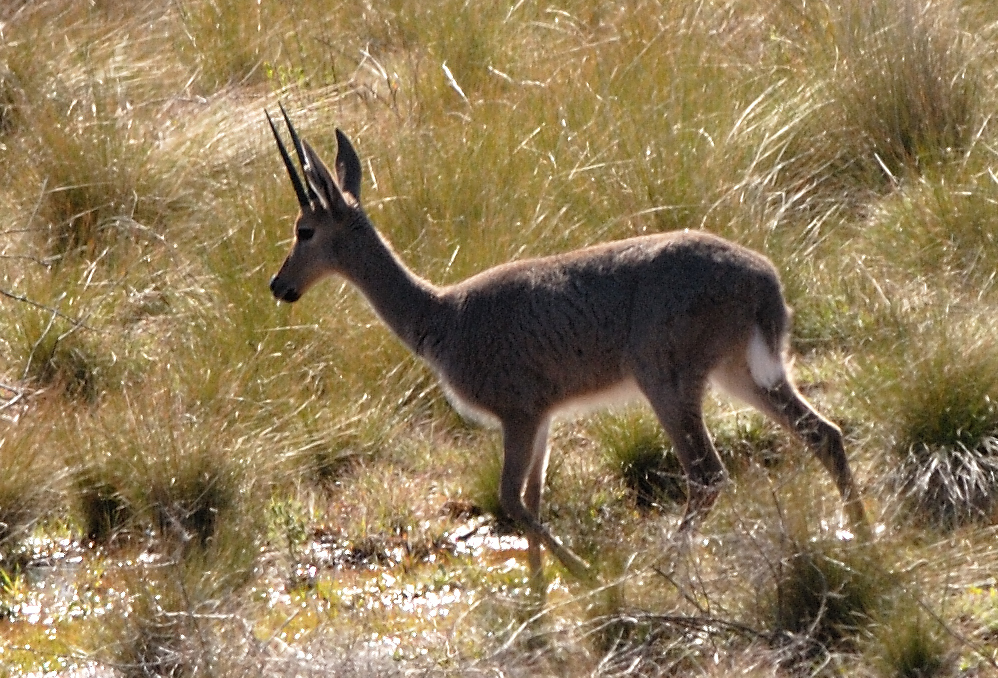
(783, 403)
(680, 411)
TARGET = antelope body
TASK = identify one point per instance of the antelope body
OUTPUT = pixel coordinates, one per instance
(658, 315)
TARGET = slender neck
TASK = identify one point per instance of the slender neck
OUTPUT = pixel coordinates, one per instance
(409, 305)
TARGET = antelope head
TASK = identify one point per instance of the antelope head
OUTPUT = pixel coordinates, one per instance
(330, 207)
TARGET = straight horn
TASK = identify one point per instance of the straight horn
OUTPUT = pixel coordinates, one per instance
(305, 164)
(303, 197)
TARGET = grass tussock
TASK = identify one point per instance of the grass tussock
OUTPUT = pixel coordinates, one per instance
(947, 228)
(71, 360)
(86, 170)
(29, 487)
(640, 452)
(157, 637)
(260, 489)
(913, 109)
(911, 644)
(194, 491)
(897, 93)
(825, 595)
(942, 394)
(176, 619)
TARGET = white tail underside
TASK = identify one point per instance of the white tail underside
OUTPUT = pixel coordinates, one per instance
(767, 369)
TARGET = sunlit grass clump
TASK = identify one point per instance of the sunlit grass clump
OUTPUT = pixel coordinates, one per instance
(93, 180)
(943, 397)
(947, 225)
(640, 452)
(68, 358)
(638, 449)
(175, 619)
(158, 636)
(896, 93)
(86, 173)
(906, 84)
(193, 491)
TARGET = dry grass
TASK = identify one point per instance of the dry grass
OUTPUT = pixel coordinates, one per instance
(260, 490)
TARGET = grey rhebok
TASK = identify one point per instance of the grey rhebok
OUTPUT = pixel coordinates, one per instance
(659, 316)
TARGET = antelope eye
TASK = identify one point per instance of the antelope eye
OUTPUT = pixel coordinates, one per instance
(305, 233)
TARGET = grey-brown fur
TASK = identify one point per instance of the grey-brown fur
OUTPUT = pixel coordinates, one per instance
(568, 326)
(661, 315)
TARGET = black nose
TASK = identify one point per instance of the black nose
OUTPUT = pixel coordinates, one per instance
(283, 292)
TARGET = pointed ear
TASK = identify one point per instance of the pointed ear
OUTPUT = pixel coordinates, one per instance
(321, 181)
(348, 170)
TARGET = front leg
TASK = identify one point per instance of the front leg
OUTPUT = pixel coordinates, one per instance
(532, 500)
(524, 459)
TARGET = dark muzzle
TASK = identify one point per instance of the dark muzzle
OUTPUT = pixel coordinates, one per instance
(283, 292)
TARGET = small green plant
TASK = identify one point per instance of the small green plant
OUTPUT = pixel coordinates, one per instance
(12, 587)
(640, 452)
(289, 524)
(289, 531)
(910, 644)
(483, 486)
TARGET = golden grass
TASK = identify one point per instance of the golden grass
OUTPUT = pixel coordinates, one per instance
(268, 483)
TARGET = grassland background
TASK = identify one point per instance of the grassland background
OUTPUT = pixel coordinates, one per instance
(195, 480)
